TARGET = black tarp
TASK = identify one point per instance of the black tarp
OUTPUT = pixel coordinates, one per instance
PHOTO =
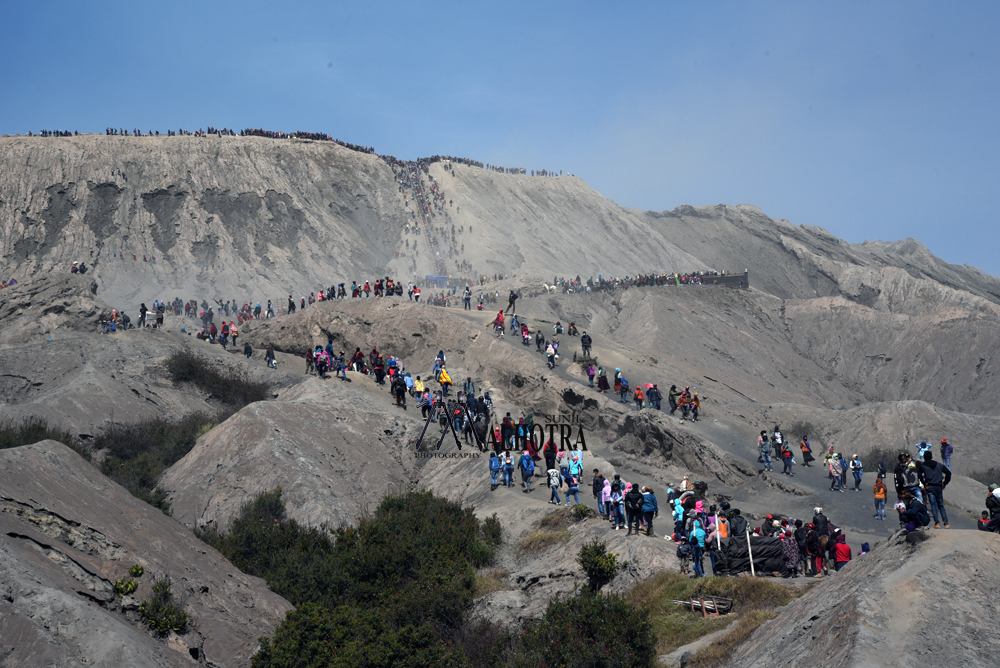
(733, 558)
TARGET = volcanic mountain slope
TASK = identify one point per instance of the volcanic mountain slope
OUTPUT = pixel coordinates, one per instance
(55, 363)
(886, 609)
(68, 533)
(254, 218)
(803, 261)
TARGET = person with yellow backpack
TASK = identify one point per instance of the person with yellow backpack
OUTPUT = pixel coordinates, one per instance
(445, 381)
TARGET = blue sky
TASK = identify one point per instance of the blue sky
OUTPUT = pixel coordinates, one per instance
(873, 120)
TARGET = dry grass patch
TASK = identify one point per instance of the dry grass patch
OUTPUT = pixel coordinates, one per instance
(490, 581)
(540, 541)
(676, 626)
(722, 649)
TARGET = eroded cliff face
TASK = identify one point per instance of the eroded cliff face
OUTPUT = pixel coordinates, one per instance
(217, 213)
(250, 218)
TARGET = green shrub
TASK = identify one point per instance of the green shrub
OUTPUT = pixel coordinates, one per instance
(125, 586)
(137, 453)
(600, 565)
(870, 459)
(989, 476)
(135, 571)
(345, 637)
(414, 559)
(231, 388)
(582, 512)
(492, 532)
(34, 429)
(591, 630)
(160, 612)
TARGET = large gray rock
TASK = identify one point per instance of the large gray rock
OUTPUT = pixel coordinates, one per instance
(68, 533)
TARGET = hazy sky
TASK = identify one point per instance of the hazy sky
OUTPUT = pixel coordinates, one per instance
(873, 120)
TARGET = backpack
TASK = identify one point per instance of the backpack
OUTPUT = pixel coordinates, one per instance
(616, 486)
(909, 477)
(737, 526)
(528, 465)
(684, 550)
(765, 447)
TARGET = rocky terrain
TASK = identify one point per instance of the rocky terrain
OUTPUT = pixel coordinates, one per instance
(885, 609)
(69, 533)
(873, 345)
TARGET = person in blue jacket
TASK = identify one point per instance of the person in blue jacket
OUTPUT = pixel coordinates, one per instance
(698, 547)
(527, 466)
(649, 509)
(494, 470)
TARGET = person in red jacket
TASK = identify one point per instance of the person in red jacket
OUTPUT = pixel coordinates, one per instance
(841, 550)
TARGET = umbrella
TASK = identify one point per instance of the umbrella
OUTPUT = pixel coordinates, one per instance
(648, 385)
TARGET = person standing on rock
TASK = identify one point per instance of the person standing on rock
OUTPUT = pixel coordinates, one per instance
(511, 299)
(935, 477)
(585, 343)
(142, 315)
(247, 350)
(946, 451)
(269, 356)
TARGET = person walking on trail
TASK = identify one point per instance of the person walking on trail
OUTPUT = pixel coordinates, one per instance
(555, 483)
(695, 406)
(672, 398)
(806, 451)
(467, 298)
(655, 397)
(880, 492)
(269, 356)
(591, 371)
(786, 458)
(497, 324)
(764, 443)
(633, 507)
(494, 470)
(935, 476)
(247, 350)
(572, 484)
(508, 469)
(511, 299)
(836, 482)
(602, 380)
(946, 451)
(585, 343)
(638, 397)
(857, 469)
(649, 509)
